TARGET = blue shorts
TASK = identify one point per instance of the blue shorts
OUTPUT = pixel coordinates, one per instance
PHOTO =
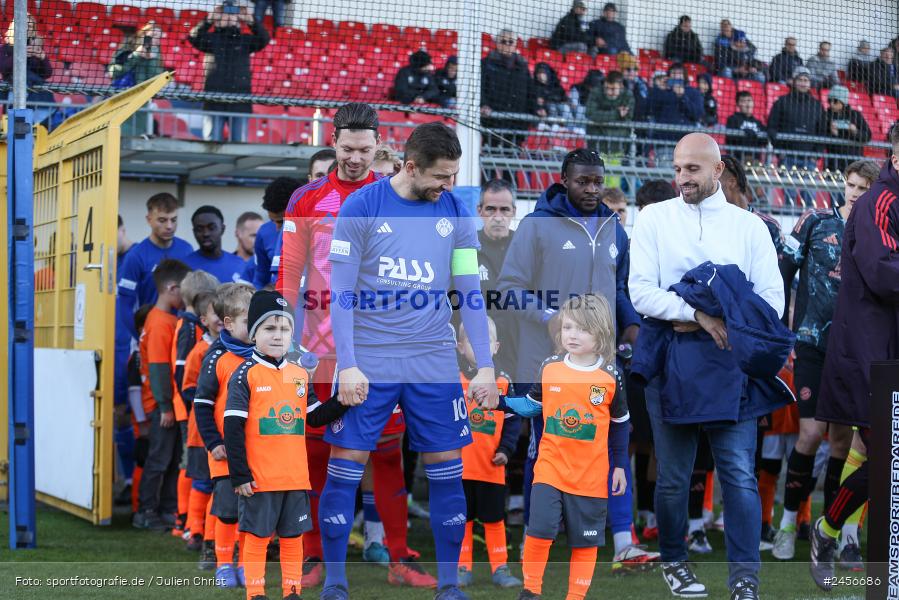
(429, 393)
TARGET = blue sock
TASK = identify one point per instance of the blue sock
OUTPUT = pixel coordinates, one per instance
(368, 508)
(335, 516)
(447, 503)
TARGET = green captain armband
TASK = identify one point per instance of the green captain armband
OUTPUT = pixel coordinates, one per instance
(465, 261)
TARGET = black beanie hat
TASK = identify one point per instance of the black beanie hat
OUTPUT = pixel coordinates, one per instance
(264, 304)
(419, 59)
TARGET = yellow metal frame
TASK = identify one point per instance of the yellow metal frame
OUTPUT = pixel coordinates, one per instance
(76, 203)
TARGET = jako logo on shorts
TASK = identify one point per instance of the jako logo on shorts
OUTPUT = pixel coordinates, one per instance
(397, 269)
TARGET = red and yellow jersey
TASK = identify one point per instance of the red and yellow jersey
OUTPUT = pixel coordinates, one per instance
(486, 432)
(212, 388)
(192, 367)
(305, 244)
(187, 332)
(578, 405)
(273, 400)
(155, 347)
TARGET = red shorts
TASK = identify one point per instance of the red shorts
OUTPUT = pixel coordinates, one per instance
(324, 381)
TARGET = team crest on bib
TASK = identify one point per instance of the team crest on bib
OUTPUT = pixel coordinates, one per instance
(301, 386)
(444, 227)
(337, 425)
(597, 395)
(613, 251)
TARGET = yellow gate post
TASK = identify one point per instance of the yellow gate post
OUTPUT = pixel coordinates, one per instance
(76, 202)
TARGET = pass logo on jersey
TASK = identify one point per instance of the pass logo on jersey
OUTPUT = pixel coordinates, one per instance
(398, 269)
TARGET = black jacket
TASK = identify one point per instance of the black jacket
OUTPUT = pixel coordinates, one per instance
(568, 30)
(614, 35)
(843, 119)
(683, 46)
(412, 83)
(798, 114)
(228, 66)
(753, 130)
(446, 86)
(506, 83)
(550, 92)
(782, 66)
(881, 77)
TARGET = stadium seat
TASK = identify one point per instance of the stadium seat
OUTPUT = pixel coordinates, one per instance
(192, 16)
(321, 27)
(161, 15)
(417, 37)
(54, 11)
(606, 63)
(384, 34)
(648, 54)
(172, 126)
(89, 11)
(124, 14)
(446, 40)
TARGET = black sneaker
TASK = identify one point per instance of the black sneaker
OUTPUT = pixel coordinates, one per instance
(823, 551)
(681, 581)
(803, 531)
(293, 595)
(851, 558)
(527, 595)
(195, 543)
(208, 560)
(766, 541)
(148, 519)
(745, 589)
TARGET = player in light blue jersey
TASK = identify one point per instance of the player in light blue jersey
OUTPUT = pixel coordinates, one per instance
(399, 246)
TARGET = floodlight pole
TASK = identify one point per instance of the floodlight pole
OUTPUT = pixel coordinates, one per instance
(20, 253)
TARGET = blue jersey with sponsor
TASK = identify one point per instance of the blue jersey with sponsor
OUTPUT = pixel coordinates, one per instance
(227, 268)
(136, 287)
(260, 266)
(404, 249)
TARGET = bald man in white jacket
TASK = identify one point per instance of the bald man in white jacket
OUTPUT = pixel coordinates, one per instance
(669, 239)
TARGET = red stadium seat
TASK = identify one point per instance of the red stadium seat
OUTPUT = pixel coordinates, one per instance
(385, 33)
(89, 11)
(322, 27)
(124, 14)
(192, 16)
(446, 40)
(161, 15)
(606, 62)
(418, 37)
(54, 11)
(648, 54)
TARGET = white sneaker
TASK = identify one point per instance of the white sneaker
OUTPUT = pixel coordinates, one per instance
(681, 581)
(785, 544)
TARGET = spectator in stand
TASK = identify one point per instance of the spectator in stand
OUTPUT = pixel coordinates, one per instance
(682, 44)
(724, 38)
(709, 104)
(549, 96)
(609, 36)
(277, 6)
(613, 103)
(415, 83)
(446, 82)
(630, 68)
(754, 134)
(845, 123)
(797, 113)
(737, 59)
(38, 70)
(677, 104)
(823, 68)
(882, 74)
(859, 62)
(227, 66)
(138, 61)
(784, 64)
(580, 93)
(505, 87)
(572, 32)
(654, 191)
